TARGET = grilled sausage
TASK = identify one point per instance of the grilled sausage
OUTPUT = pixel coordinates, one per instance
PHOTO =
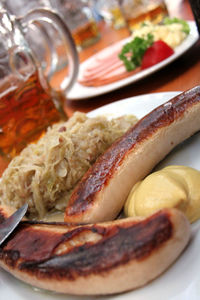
(102, 258)
(101, 193)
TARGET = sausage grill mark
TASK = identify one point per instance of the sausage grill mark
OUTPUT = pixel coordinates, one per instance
(102, 171)
(33, 251)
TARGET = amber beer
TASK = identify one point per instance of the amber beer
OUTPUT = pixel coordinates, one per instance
(29, 103)
(25, 114)
(153, 13)
(85, 35)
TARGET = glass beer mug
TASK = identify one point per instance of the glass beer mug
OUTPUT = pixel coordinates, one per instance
(28, 102)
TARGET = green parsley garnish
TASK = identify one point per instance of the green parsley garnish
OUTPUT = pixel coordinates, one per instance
(185, 26)
(132, 52)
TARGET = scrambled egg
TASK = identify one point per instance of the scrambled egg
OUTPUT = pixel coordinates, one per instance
(172, 187)
(171, 34)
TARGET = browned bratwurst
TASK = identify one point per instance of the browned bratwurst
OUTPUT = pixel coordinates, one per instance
(101, 193)
(103, 258)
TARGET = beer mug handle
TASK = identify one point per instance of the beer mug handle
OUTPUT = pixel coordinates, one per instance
(46, 15)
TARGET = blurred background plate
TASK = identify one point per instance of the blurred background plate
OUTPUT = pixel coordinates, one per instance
(79, 91)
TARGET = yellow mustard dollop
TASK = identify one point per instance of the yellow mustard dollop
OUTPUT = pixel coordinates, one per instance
(172, 187)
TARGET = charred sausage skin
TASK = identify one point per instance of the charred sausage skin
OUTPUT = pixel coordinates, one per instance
(101, 193)
(88, 259)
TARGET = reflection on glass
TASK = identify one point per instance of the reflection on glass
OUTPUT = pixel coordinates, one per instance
(77, 14)
(136, 12)
(80, 19)
(111, 12)
(132, 13)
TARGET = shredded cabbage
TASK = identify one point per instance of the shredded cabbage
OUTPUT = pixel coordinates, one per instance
(45, 173)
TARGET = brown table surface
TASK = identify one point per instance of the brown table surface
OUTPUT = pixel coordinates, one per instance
(182, 74)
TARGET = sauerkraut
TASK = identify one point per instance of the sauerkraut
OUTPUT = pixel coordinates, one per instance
(45, 173)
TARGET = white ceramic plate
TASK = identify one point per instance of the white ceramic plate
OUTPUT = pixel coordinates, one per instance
(181, 280)
(79, 91)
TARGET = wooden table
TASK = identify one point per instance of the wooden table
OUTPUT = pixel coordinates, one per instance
(182, 74)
